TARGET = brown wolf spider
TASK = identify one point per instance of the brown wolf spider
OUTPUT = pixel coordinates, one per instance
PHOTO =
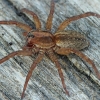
(44, 42)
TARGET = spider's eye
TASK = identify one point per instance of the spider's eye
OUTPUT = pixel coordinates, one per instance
(30, 35)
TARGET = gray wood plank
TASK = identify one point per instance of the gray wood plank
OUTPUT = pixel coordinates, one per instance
(45, 83)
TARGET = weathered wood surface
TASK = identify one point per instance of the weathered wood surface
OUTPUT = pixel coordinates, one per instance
(45, 83)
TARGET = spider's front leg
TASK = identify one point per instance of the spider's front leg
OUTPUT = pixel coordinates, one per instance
(33, 66)
(66, 51)
(18, 24)
(20, 52)
(35, 18)
(50, 17)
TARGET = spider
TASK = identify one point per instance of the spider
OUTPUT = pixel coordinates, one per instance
(43, 42)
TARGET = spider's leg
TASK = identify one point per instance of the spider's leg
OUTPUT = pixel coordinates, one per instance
(54, 59)
(61, 76)
(50, 17)
(35, 18)
(63, 51)
(37, 60)
(21, 25)
(20, 52)
(64, 24)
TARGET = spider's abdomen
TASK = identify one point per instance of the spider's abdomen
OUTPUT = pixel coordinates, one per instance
(71, 39)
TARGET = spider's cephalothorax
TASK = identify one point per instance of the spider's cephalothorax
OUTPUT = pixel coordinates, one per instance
(43, 42)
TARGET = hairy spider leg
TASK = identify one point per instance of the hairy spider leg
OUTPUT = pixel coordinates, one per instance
(65, 23)
(33, 66)
(61, 76)
(66, 51)
(18, 24)
(50, 17)
(35, 18)
(54, 59)
(20, 52)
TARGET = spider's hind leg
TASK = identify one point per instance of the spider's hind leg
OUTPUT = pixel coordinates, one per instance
(65, 23)
(66, 51)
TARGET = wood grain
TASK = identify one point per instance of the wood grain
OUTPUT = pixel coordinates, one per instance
(45, 83)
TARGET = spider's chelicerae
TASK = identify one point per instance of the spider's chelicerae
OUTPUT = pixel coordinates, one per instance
(44, 42)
